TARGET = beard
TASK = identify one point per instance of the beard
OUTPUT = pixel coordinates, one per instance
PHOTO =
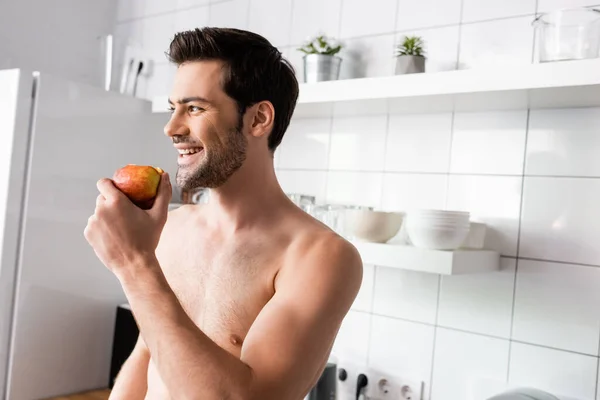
(218, 164)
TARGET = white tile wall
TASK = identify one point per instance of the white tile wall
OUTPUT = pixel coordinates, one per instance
(463, 161)
(230, 14)
(157, 33)
(480, 303)
(381, 18)
(271, 18)
(404, 192)
(427, 13)
(127, 10)
(551, 5)
(403, 348)
(489, 143)
(357, 143)
(368, 57)
(295, 57)
(192, 18)
(364, 299)
(564, 142)
(354, 188)
(352, 342)
(306, 144)
(315, 17)
(163, 75)
(557, 215)
(495, 43)
(406, 294)
(419, 143)
(478, 10)
(556, 371)
(186, 4)
(154, 7)
(494, 200)
(557, 305)
(312, 183)
(465, 357)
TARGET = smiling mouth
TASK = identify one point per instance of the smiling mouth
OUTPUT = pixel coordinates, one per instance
(189, 156)
(185, 152)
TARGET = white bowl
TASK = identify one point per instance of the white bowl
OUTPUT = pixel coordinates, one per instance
(372, 226)
(440, 213)
(436, 238)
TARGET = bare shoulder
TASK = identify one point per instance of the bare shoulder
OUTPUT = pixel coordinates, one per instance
(320, 256)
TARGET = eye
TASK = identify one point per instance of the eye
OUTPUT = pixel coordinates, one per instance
(195, 109)
(171, 109)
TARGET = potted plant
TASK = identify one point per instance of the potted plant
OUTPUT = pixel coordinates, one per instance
(320, 60)
(410, 56)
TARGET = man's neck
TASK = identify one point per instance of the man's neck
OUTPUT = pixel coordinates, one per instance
(251, 194)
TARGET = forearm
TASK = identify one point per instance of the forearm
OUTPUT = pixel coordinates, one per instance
(188, 361)
(132, 381)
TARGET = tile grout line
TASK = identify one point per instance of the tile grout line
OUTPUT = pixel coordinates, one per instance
(435, 332)
(291, 21)
(327, 174)
(438, 173)
(385, 144)
(477, 334)
(425, 28)
(340, 19)
(248, 14)
(168, 12)
(519, 228)
(449, 167)
(371, 315)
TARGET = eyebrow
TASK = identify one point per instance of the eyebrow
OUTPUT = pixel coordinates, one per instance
(186, 100)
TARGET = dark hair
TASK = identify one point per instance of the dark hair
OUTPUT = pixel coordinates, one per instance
(254, 70)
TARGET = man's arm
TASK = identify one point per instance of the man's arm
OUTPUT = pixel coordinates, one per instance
(285, 347)
(132, 380)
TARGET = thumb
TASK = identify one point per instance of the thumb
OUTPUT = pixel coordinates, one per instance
(163, 197)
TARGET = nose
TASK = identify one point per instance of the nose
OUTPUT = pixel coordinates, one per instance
(176, 126)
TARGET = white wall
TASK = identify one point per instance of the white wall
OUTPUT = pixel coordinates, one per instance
(59, 37)
(534, 177)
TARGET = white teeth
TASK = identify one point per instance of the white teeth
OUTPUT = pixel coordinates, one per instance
(189, 151)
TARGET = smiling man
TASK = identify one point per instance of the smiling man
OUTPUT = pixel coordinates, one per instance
(240, 298)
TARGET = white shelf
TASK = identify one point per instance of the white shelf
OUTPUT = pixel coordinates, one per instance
(432, 261)
(548, 85)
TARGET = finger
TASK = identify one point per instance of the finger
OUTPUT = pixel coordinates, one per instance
(108, 189)
(163, 197)
(100, 200)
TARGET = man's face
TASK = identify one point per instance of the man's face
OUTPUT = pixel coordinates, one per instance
(205, 127)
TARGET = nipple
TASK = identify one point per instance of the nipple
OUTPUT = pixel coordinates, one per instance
(236, 340)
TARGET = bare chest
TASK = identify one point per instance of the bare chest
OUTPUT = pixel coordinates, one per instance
(222, 288)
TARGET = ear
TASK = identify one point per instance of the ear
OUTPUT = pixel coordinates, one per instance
(263, 119)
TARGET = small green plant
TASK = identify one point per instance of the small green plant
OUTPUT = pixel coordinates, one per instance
(411, 46)
(321, 45)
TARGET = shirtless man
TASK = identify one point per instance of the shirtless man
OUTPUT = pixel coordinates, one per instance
(240, 298)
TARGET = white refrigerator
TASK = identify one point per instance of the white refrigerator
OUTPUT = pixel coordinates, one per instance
(57, 301)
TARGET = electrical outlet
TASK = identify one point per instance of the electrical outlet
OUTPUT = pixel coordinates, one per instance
(348, 373)
(384, 386)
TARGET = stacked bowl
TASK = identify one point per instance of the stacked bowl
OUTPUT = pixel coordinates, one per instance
(437, 229)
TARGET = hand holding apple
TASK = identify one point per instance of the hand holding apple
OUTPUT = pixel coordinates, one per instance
(122, 234)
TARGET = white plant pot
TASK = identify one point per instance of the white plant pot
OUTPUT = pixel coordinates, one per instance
(410, 65)
(320, 67)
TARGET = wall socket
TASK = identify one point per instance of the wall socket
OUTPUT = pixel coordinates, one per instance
(381, 385)
(384, 386)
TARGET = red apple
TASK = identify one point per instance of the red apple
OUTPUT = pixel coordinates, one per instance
(139, 183)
